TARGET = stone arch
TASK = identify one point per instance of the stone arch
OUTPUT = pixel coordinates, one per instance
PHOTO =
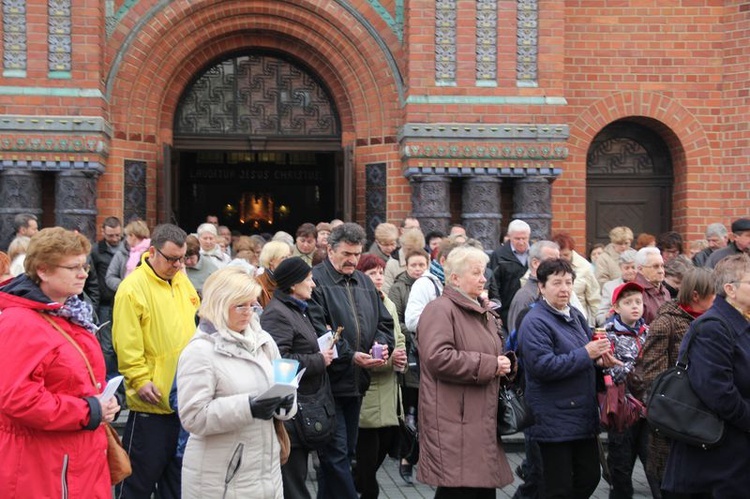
(684, 135)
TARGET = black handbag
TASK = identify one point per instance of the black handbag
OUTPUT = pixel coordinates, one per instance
(513, 415)
(315, 421)
(675, 411)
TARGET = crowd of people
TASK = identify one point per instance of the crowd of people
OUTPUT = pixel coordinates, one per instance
(405, 342)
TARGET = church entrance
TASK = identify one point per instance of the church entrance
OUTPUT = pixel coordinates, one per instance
(257, 142)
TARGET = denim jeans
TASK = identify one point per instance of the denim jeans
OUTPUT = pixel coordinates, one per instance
(335, 478)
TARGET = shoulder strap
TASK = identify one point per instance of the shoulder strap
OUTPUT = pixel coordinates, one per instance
(435, 283)
(75, 345)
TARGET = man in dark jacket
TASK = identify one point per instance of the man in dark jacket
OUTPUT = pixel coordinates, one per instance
(101, 255)
(347, 298)
(510, 262)
(717, 237)
(740, 243)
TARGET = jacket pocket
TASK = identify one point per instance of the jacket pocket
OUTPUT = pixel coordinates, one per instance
(572, 402)
(64, 477)
(235, 462)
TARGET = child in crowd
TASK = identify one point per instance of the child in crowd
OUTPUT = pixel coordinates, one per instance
(627, 331)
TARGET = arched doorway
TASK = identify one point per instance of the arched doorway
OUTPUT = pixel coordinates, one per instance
(628, 181)
(257, 141)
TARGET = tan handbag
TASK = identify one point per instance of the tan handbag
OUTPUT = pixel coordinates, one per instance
(283, 436)
(117, 456)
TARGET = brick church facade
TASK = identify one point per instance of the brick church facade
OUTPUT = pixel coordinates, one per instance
(574, 116)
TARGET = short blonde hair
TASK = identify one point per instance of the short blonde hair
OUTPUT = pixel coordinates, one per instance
(386, 233)
(18, 246)
(137, 228)
(621, 235)
(225, 288)
(460, 258)
(49, 246)
(272, 250)
(412, 239)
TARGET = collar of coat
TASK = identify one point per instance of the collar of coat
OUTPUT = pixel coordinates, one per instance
(464, 301)
(232, 344)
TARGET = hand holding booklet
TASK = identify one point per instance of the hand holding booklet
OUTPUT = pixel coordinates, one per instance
(284, 380)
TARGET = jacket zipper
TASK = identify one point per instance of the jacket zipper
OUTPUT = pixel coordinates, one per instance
(233, 467)
(64, 477)
(356, 323)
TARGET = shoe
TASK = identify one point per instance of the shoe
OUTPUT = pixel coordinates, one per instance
(405, 470)
(521, 472)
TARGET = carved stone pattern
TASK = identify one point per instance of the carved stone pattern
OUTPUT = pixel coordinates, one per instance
(257, 95)
(59, 39)
(445, 40)
(430, 199)
(527, 40)
(618, 156)
(134, 204)
(448, 150)
(14, 34)
(376, 197)
(484, 230)
(532, 202)
(486, 44)
(47, 144)
(20, 192)
(480, 207)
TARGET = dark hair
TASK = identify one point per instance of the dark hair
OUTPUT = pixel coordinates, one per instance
(369, 261)
(167, 233)
(678, 266)
(433, 234)
(593, 247)
(417, 252)
(349, 233)
(21, 220)
(669, 240)
(111, 222)
(554, 266)
(306, 230)
(564, 240)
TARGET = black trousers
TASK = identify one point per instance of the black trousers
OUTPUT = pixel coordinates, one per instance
(571, 469)
(373, 445)
(623, 449)
(294, 474)
(151, 442)
(464, 493)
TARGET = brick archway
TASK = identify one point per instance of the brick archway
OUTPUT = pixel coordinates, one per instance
(687, 141)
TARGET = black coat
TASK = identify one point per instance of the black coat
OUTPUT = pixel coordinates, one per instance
(101, 255)
(508, 272)
(719, 372)
(354, 303)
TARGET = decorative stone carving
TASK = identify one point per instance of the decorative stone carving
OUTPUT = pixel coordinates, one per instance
(20, 192)
(58, 38)
(430, 200)
(75, 201)
(14, 35)
(480, 209)
(376, 198)
(134, 205)
(445, 41)
(527, 41)
(486, 44)
(532, 202)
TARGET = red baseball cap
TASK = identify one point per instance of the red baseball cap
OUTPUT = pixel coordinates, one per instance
(625, 287)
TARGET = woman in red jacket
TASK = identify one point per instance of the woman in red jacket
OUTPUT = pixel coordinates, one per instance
(52, 443)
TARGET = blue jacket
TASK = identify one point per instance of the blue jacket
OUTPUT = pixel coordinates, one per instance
(719, 372)
(560, 376)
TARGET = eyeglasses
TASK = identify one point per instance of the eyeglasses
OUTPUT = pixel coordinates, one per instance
(243, 309)
(655, 266)
(172, 259)
(85, 268)
(741, 282)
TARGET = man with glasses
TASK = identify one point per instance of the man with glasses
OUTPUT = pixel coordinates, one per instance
(650, 266)
(153, 320)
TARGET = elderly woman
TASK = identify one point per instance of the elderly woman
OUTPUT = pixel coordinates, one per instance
(51, 412)
(386, 241)
(662, 344)
(719, 373)
(272, 254)
(305, 242)
(210, 248)
(378, 419)
(233, 450)
(560, 364)
(197, 268)
(461, 365)
(286, 320)
(607, 268)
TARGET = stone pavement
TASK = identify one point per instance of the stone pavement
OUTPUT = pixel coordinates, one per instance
(393, 487)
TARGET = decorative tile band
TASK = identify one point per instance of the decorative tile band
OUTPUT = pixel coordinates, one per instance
(11, 123)
(43, 144)
(499, 100)
(525, 170)
(486, 41)
(57, 165)
(59, 44)
(505, 131)
(542, 151)
(527, 40)
(14, 37)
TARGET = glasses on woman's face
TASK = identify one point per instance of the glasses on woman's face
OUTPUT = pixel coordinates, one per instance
(85, 268)
(243, 309)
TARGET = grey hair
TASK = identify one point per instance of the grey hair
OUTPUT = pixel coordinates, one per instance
(716, 229)
(730, 269)
(349, 233)
(167, 233)
(459, 259)
(627, 256)
(207, 227)
(642, 255)
(518, 226)
(537, 248)
(678, 266)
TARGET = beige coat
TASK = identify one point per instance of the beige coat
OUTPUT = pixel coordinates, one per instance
(459, 344)
(216, 376)
(586, 287)
(608, 265)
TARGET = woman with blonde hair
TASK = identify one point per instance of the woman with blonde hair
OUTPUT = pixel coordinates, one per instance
(410, 240)
(607, 266)
(17, 254)
(272, 254)
(233, 450)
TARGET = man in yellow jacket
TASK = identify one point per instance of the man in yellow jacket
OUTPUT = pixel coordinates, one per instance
(153, 320)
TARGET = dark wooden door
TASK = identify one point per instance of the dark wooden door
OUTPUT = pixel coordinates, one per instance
(628, 182)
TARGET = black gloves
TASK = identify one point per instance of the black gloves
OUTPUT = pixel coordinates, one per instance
(266, 408)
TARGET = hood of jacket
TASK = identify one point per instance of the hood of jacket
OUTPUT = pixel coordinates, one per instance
(22, 292)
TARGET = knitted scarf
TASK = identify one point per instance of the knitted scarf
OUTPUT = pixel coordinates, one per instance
(78, 312)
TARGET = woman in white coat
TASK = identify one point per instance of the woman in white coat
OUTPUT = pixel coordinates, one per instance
(233, 450)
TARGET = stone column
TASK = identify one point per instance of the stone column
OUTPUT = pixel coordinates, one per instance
(480, 209)
(20, 192)
(75, 201)
(430, 201)
(532, 203)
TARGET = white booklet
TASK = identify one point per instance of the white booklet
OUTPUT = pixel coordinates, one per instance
(111, 388)
(282, 389)
(325, 342)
